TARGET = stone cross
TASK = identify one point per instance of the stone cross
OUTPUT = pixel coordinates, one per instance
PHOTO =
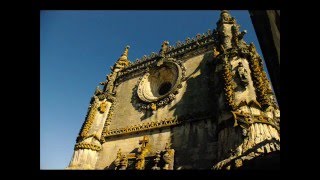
(144, 142)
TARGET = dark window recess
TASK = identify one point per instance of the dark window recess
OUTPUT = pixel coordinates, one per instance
(164, 88)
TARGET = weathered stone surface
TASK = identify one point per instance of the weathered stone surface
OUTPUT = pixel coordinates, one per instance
(200, 105)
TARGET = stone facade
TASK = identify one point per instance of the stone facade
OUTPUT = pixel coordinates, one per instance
(203, 104)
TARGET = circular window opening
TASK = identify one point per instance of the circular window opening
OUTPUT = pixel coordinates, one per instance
(164, 88)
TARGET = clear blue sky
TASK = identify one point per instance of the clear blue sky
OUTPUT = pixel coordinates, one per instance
(78, 47)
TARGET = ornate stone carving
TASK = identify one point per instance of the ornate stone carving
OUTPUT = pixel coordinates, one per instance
(189, 48)
(244, 120)
(242, 74)
(156, 160)
(237, 36)
(259, 79)
(103, 107)
(215, 52)
(142, 127)
(168, 157)
(123, 162)
(164, 48)
(83, 145)
(225, 18)
(142, 153)
(107, 123)
(122, 61)
(159, 85)
(228, 83)
(118, 159)
(90, 118)
(156, 124)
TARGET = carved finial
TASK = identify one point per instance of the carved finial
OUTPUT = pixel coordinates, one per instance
(225, 18)
(97, 91)
(215, 52)
(123, 60)
(126, 50)
(164, 48)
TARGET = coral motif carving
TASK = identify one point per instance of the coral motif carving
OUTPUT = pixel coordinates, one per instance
(259, 78)
(228, 83)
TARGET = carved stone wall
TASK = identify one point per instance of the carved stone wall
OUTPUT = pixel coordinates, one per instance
(208, 98)
(192, 97)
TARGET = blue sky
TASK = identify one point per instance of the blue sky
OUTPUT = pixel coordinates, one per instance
(78, 47)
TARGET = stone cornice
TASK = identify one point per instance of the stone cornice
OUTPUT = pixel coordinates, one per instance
(158, 124)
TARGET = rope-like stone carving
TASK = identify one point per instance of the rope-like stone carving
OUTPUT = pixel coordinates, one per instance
(87, 146)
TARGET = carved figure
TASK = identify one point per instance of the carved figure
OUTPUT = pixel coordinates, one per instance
(123, 162)
(118, 159)
(103, 107)
(168, 157)
(156, 161)
(243, 75)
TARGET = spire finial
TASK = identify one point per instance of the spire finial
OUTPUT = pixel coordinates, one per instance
(164, 48)
(225, 18)
(123, 60)
(126, 50)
